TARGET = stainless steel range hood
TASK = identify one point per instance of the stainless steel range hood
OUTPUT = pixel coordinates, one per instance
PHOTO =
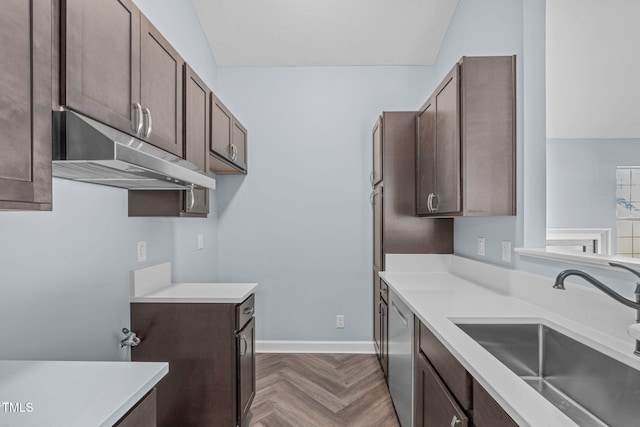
(87, 151)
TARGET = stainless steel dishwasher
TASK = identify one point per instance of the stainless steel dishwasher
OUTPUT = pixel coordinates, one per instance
(401, 358)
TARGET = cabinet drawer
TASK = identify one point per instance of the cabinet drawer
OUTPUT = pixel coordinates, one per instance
(487, 412)
(447, 366)
(244, 311)
(384, 291)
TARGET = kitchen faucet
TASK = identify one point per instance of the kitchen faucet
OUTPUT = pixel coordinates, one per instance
(607, 290)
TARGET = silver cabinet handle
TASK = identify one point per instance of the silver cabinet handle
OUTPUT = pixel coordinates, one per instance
(243, 339)
(248, 310)
(234, 152)
(192, 199)
(437, 199)
(402, 316)
(371, 177)
(454, 421)
(429, 202)
(136, 120)
(149, 126)
(371, 198)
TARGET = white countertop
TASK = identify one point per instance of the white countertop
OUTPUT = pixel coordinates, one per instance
(198, 293)
(442, 299)
(69, 394)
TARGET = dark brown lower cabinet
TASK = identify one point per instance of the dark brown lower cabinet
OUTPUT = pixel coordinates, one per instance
(384, 337)
(487, 412)
(435, 406)
(445, 394)
(211, 353)
(143, 414)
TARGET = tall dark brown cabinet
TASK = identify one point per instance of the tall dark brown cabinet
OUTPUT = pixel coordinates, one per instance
(466, 147)
(397, 229)
(25, 105)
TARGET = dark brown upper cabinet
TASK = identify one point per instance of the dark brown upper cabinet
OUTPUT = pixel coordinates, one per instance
(228, 153)
(466, 141)
(25, 105)
(118, 69)
(196, 149)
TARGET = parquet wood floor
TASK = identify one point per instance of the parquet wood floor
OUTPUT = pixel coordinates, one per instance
(321, 390)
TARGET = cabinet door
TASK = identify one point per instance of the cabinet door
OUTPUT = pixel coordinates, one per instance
(487, 412)
(376, 174)
(221, 128)
(197, 135)
(384, 344)
(378, 255)
(161, 90)
(426, 158)
(434, 406)
(143, 414)
(25, 105)
(376, 310)
(239, 145)
(100, 72)
(246, 339)
(447, 156)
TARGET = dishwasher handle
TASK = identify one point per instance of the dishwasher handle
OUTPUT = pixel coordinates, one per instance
(402, 316)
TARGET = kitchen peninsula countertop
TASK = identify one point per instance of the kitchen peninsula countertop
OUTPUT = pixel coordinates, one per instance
(442, 299)
(70, 394)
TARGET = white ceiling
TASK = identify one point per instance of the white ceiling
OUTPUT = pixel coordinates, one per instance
(325, 32)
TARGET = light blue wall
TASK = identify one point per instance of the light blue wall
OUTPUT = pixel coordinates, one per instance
(504, 27)
(581, 180)
(64, 275)
(300, 222)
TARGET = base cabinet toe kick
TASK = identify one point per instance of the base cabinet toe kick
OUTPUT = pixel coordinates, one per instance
(210, 348)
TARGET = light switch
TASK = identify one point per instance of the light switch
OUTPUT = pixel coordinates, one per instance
(506, 251)
(481, 246)
(200, 242)
(142, 251)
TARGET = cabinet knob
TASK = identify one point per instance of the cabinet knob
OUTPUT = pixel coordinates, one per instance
(248, 310)
(454, 421)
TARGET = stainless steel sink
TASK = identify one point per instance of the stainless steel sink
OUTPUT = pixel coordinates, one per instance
(589, 387)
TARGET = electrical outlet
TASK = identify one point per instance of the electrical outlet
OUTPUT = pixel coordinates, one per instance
(506, 251)
(340, 321)
(481, 246)
(200, 242)
(142, 251)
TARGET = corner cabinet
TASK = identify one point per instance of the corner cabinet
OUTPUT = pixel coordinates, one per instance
(196, 107)
(118, 69)
(466, 147)
(228, 151)
(210, 348)
(25, 105)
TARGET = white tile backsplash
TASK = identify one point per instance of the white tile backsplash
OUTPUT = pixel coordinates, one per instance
(628, 207)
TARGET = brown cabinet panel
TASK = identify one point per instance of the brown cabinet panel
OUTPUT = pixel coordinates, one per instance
(25, 105)
(452, 372)
(376, 174)
(487, 412)
(161, 89)
(143, 414)
(376, 310)
(228, 151)
(384, 337)
(378, 243)
(246, 370)
(434, 405)
(245, 311)
(221, 127)
(100, 58)
(211, 379)
(466, 143)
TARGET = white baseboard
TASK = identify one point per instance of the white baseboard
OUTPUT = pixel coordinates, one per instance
(356, 347)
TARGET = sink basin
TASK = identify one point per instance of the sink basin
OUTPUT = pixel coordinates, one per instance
(589, 387)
